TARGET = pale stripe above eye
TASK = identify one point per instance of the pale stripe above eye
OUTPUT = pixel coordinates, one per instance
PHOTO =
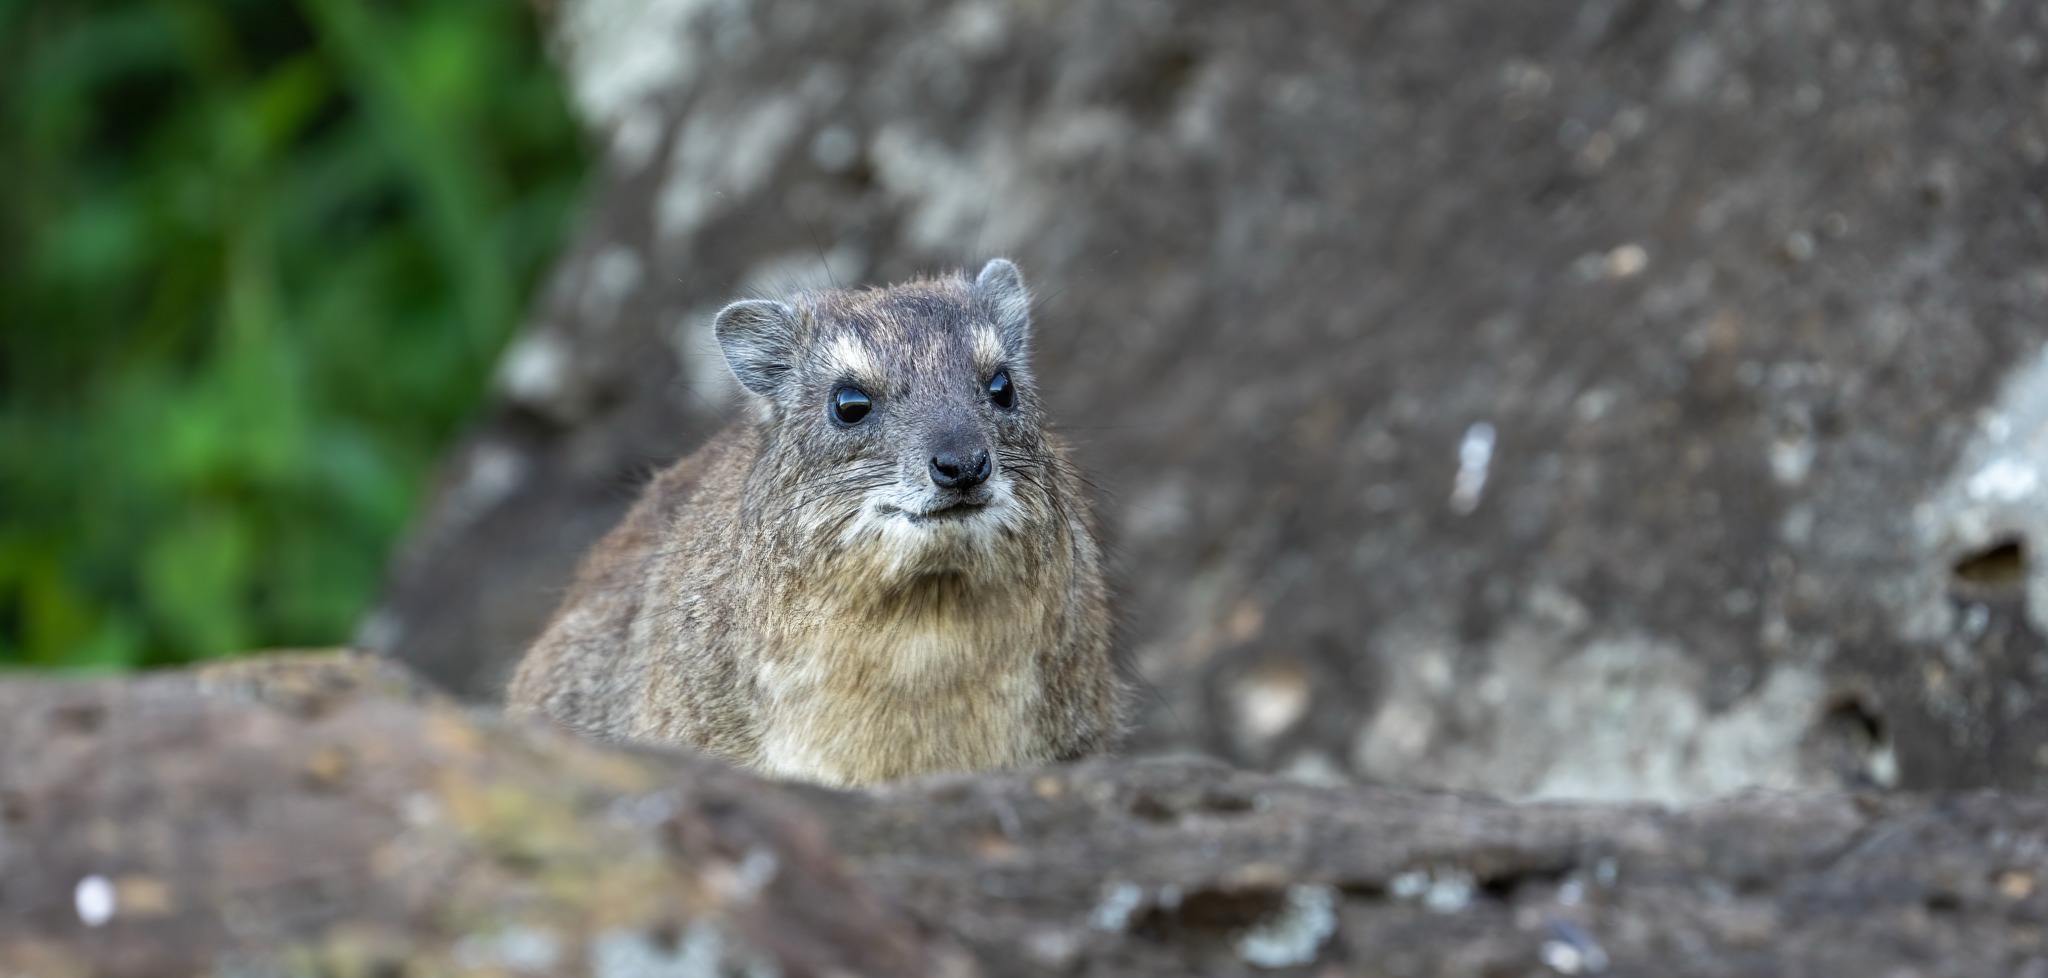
(988, 347)
(850, 358)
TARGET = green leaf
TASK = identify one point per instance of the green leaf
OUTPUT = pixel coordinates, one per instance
(196, 581)
(257, 260)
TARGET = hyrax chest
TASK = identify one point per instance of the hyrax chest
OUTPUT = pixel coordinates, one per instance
(867, 699)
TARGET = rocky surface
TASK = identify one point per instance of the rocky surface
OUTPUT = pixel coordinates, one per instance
(1175, 868)
(322, 816)
(1612, 399)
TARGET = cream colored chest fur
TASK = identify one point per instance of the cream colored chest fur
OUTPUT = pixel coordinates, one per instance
(861, 702)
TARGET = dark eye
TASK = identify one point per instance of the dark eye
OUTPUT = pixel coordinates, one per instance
(999, 390)
(849, 405)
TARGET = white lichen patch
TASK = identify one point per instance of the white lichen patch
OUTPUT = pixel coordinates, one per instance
(635, 138)
(94, 900)
(493, 472)
(1640, 729)
(757, 869)
(1119, 902)
(1997, 493)
(1625, 261)
(535, 371)
(719, 157)
(1055, 950)
(2004, 480)
(641, 811)
(1268, 701)
(514, 948)
(1295, 933)
(1571, 951)
(835, 149)
(623, 54)
(957, 200)
(1475, 460)
(702, 952)
(977, 28)
(612, 276)
(379, 632)
(1449, 891)
(1572, 716)
(1791, 456)
(1441, 889)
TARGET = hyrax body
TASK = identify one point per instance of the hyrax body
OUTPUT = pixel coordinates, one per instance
(890, 569)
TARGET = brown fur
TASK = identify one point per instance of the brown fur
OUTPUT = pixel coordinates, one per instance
(769, 600)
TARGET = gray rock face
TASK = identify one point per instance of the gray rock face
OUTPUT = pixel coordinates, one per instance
(1613, 399)
(1132, 868)
(324, 817)
(321, 816)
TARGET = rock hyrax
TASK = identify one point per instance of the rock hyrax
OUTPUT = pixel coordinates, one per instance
(889, 569)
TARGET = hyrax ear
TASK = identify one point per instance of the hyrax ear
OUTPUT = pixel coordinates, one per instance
(758, 338)
(1000, 292)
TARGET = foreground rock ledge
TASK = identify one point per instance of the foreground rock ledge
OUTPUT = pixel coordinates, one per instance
(322, 815)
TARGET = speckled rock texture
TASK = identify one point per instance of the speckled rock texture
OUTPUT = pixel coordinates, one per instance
(1606, 399)
(323, 816)
(1179, 868)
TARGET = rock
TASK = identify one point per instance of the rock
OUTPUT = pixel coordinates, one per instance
(1134, 868)
(322, 815)
(328, 816)
(1610, 400)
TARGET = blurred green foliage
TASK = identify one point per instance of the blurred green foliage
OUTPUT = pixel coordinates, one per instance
(256, 260)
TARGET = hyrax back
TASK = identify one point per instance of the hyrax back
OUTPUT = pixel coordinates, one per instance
(889, 569)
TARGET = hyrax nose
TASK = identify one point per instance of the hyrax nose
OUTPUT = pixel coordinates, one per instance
(958, 470)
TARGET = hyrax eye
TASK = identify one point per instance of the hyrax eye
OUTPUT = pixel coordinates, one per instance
(1000, 391)
(849, 405)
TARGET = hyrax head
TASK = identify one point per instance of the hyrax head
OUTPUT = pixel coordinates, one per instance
(905, 411)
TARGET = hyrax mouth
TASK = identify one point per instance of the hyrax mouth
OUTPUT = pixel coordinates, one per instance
(946, 512)
(951, 514)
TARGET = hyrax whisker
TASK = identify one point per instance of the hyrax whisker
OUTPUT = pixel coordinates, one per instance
(889, 569)
(816, 499)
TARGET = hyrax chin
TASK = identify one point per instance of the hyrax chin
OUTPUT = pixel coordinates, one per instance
(889, 569)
